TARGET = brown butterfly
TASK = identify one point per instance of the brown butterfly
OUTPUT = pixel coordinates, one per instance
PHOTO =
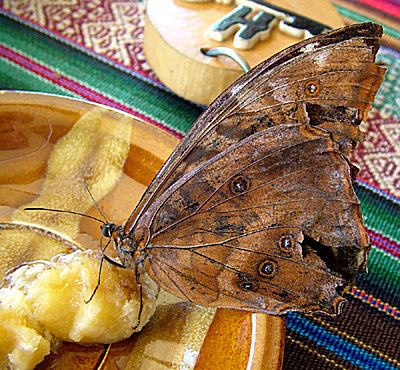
(255, 208)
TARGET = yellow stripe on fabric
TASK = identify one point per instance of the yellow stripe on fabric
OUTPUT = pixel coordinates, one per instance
(375, 303)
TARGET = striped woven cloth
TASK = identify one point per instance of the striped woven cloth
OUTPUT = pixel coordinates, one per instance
(93, 50)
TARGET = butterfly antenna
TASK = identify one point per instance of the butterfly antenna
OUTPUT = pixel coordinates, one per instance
(95, 203)
(62, 211)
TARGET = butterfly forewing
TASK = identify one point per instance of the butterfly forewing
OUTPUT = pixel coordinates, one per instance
(334, 69)
(268, 160)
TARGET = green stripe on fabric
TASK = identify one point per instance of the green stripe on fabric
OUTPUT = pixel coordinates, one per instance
(13, 77)
(383, 216)
(385, 99)
(163, 107)
(379, 214)
(385, 266)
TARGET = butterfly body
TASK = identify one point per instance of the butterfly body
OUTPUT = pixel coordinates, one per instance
(255, 208)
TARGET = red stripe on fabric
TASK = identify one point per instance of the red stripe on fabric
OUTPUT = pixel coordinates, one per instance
(384, 243)
(375, 186)
(382, 6)
(76, 87)
(375, 302)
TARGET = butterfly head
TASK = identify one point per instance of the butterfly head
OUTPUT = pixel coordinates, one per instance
(109, 229)
(125, 246)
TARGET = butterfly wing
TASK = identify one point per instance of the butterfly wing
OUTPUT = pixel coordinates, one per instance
(255, 209)
(264, 201)
(339, 64)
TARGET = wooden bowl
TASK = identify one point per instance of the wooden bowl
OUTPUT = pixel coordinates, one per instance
(182, 333)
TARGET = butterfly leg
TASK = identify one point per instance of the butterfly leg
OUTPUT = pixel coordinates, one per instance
(102, 258)
(139, 284)
(98, 279)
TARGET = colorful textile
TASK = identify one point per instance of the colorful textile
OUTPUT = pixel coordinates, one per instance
(93, 50)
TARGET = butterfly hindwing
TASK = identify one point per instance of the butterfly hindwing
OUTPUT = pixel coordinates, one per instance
(256, 274)
(212, 232)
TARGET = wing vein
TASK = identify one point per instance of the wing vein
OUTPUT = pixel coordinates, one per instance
(204, 285)
(222, 184)
(252, 278)
(156, 260)
(198, 210)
